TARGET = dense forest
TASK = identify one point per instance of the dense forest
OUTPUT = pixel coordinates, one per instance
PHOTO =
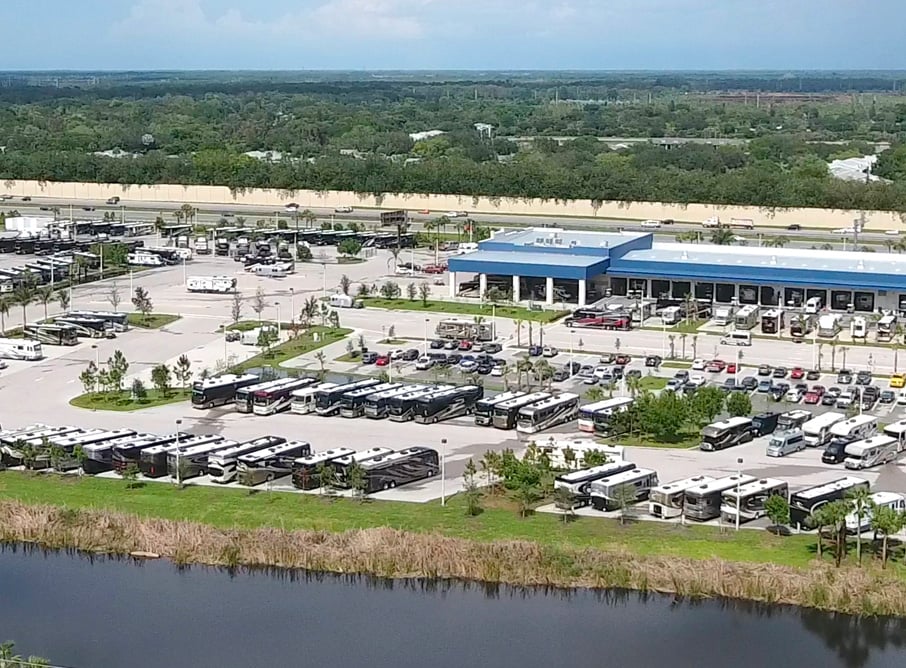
(774, 136)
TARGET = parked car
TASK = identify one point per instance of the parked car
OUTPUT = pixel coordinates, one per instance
(410, 355)
(749, 383)
(653, 360)
(454, 358)
(586, 371)
(731, 368)
(549, 351)
(764, 386)
(779, 372)
(794, 395)
(716, 366)
(497, 371)
(764, 370)
(622, 359)
(888, 397)
(560, 375)
(698, 365)
(437, 344)
(897, 380)
(674, 385)
(845, 377)
(797, 373)
(468, 366)
(845, 399)
(491, 347)
(424, 363)
(682, 375)
(369, 357)
(484, 369)
(632, 373)
(901, 398)
(465, 344)
(535, 351)
(451, 345)
(829, 400)
(382, 360)
(778, 391)
(863, 377)
(607, 358)
(813, 374)
(728, 385)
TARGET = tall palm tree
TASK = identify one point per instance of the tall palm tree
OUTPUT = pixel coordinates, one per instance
(188, 212)
(723, 237)
(309, 217)
(23, 295)
(634, 385)
(4, 311)
(859, 499)
(394, 256)
(778, 241)
(45, 295)
(524, 366)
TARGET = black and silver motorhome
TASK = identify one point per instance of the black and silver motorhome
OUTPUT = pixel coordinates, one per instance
(192, 461)
(400, 468)
(307, 470)
(220, 390)
(222, 467)
(702, 502)
(579, 482)
(804, 502)
(270, 463)
(153, 460)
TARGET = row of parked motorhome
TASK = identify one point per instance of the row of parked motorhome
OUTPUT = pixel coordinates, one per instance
(853, 442)
(183, 456)
(64, 330)
(701, 498)
(399, 402)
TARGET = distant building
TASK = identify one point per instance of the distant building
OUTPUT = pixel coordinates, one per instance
(33, 225)
(265, 156)
(427, 134)
(117, 153)
(854, 169)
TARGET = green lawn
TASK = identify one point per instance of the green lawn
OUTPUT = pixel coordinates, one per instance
(124, 402)
(294, 347)
(682, 440)
(652, 382)
(674, 364)
(153, 321)
(348, 357)
(510, 312)
(228, 508)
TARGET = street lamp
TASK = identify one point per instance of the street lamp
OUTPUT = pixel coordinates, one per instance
(292, 304)
(178, 481)
(443, 472)
(427, 320)
(738, 479)
(97, 365)
(277, 304)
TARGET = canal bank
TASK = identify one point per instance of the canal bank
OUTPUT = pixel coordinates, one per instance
(428, 552)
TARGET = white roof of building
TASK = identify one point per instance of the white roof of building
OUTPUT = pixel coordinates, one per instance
(425, 134)
(854, 169)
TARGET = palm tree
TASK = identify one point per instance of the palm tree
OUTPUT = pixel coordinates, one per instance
(836, 519)
(594, 394)
(309, 217)
(722, 237)
(683, 336)
(188, 212)
(4, 311)
(524, 366)
(45, 295)
(861, 504)
(23, 295)
(518, 324)
(544, 372)
(778, 241)
(394, 256)
(886, 521)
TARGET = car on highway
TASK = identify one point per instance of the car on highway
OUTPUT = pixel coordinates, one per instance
(5, 197)
(863, 377)
(424, 363)
(794, 227)
(716, 366)
(813, 374)
(845, 376)
(424, 212)
(699, 364)
(88, 208)
(27, 198)
(456, 214)
(292, 207)
(653, 360)
(897, 380)
(797, 373)
(764, 385)
(892, 233)
(845, 230)
(887, 397)
(749, 383)
(343, 209)
(652, 224)
(113, 200)
(779, 372)
(764, 370)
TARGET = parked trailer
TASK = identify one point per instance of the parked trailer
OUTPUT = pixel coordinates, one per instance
(804, 502)
(400, 468)
(211, 284)
(307, 470)
(304, 399)
(702, 502)
(220, 390)
(666, 501)
(21, 349)
(184, 463)
(222, 466)
(279, 397)
(153, 461)
(270, 463)
(484, 408)
(342, 465)
(579, 482)
(447, 404)
(750, 499)
(548, 413)
(129, 454)
(622, 489)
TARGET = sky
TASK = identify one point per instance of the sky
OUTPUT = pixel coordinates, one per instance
(452, 34)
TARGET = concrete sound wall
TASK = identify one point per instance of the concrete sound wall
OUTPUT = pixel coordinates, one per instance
(220, 196)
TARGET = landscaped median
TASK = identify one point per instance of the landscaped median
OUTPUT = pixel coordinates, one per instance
(232, 527)
(461, 308)
(125, 401)
(310, 339)
(152, 320)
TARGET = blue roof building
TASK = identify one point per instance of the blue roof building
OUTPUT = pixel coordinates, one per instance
(551, 265)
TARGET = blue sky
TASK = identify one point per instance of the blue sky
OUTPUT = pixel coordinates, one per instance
(451, 34)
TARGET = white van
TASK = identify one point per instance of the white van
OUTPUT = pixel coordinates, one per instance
(738, 338)
(813, 304)
(466, 248)
(785, 443)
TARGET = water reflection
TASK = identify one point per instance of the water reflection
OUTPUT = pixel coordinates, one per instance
(65, 605)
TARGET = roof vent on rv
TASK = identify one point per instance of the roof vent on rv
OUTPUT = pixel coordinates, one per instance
(861, 264)
(773, 259)
(685, 255)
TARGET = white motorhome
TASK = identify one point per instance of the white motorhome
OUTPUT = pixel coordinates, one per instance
(622, 489)
(869, 452)
(856, 524)
(250, 337)
(216, 284)
(897, 430)
(858, 327)
(723, 315)
(855, 428)
(671, 315)
(818, 430)
(887, 327)
(828, 326)
(145, 259)
(21, 349)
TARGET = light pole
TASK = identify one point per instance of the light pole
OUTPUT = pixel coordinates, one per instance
(292, 305)
(277, 304)
(178, 481)
(426, 335)
(97, 365)
(185, 278)
(131, 290)
(443, 471)
(225, 332)
(738, 479)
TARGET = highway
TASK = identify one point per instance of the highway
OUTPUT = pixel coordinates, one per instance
(148, 211)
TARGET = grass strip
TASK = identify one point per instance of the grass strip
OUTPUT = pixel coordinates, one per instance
(484, 310)
(123, 401)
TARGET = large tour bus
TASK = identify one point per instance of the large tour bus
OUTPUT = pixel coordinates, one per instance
(53, 334)
(119, 321)
(400, 468)
(352, 404)
(874, 451)
(587, 414)
(243, 400)
(184, 463)
(447, 404)
(622, 489)
(579, 482)
(726, 433)
(804, 502)
(220, 390)
(279, 397)
(817, 431)
(328, 401)
(402, 406)
(702, 502)
(750, 499)
(270, 463)
(129, 454)
(342, 465)
(223, 465)
(307, 470)
(304, 399)
(666, 501)
(65, 445)
(548, 413)
(507, 412)
(484, 408)
(377, 405)
(92, 328)
(153, 460)
(596, 417)
(98, 457)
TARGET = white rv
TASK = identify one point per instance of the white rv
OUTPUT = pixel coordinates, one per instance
(873, 451)
(855, 524)
(818, 430)
(828, 326)
(218, 284)
(21, 349)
